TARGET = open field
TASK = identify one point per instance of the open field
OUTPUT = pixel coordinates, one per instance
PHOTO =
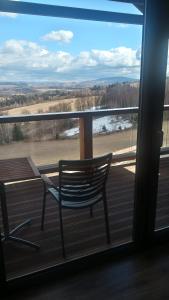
(43, 106)
(46, 152)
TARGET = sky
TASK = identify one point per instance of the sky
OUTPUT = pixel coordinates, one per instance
(36, 48)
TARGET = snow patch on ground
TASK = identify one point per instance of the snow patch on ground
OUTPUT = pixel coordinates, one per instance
(102, 125)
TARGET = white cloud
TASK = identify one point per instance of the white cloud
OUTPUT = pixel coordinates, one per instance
(10, 15)
(116, 57)
(118, 25)
(98, 62)
(122, 25)
(59, 36)
(26, 60)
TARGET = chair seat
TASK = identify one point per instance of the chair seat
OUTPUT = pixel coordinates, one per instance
(75, 204)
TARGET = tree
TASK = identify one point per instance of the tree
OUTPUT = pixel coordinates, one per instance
(17, 133)
(104, 129)
(5, 133)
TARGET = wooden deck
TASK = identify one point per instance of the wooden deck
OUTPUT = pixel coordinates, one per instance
(83, 234)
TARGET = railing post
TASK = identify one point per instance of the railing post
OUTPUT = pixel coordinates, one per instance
(86, 137)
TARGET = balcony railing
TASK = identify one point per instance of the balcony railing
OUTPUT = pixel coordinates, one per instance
(85, 128)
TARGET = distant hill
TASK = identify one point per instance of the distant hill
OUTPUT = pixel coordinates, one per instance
(105, 81)
(116, 79)
(67, 84)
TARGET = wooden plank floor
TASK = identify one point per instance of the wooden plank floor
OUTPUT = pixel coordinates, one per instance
(83, 234)
(138, 277)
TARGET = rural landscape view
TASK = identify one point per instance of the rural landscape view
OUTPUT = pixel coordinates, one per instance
(48, 141)
(62, 135)
(61, 65)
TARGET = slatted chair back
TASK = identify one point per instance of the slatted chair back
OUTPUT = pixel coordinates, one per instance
(81, 180)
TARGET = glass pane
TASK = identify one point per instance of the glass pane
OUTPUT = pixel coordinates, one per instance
(53, 65)
(123, 140)
(45, 141)
(162, 220)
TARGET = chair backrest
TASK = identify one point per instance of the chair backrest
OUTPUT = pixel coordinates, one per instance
(81, 180)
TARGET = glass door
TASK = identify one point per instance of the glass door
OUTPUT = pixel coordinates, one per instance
(162, 213)
(150, 135)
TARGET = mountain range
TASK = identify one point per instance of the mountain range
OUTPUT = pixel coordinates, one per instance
(106, 81)
(67, 84)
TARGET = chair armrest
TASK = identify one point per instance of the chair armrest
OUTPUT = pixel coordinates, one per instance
(48, 182)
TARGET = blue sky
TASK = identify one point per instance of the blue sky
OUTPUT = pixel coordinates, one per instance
(44, 48)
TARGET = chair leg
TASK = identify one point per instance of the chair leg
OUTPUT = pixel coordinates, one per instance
(61, 231)
(43, 207)
(106, 218)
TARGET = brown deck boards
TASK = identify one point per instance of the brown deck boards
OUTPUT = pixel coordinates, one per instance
(83, 234)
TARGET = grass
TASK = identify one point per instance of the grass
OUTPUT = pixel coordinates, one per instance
(35, 108)
(44, 106)
(47, 152)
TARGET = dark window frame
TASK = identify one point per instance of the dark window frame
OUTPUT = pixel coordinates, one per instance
(145, 203)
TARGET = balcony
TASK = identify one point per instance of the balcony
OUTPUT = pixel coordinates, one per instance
(84, 234)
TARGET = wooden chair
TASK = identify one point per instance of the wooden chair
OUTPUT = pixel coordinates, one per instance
(82, 184)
